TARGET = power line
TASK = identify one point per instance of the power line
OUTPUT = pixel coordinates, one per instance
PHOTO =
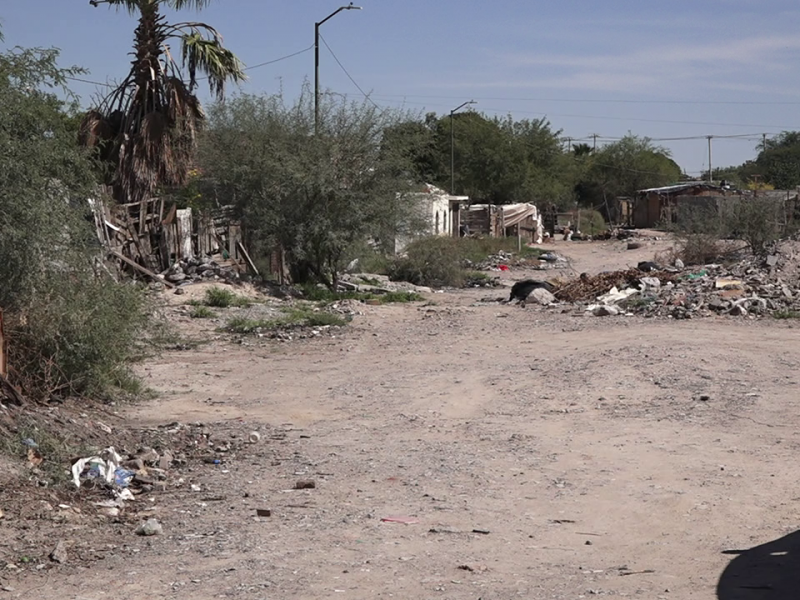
(601, 118)
(348, 74)
(600, 101)
(256, 66)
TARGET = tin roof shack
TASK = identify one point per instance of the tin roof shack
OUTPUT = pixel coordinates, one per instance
(440, 210)
(656, 206)
(505, 220)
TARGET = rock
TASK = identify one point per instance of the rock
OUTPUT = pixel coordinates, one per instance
(148, 455)
(165, 461)
(717, 304)
(787, 292)
(143, 480)
(150, 527)
(136, 464)
(59, 553)
(772, 260)
(605, 311)
(542, 296)
(179, 291)
(738, 311)
(678, 263)
(176, 275)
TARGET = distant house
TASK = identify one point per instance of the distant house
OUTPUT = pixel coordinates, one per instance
(655, 206)
(661, 206)
(440, 210)
(505, 220)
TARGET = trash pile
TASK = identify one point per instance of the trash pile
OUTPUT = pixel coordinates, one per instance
(202, 268)
(144, 471)
(749, 287)
(587, 288)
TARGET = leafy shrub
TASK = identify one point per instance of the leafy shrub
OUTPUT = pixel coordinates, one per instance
(202, 312)
(222, 298)
(79, 336)
(71, 329)
(432, 261)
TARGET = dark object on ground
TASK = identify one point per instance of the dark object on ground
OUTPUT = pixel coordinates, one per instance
(648, 266)
(522, 289)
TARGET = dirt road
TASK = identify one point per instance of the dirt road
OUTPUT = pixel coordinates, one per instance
(540, 454)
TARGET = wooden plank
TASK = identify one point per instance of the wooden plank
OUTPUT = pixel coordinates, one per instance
(184, 223)
(140, 268)
(247, 257)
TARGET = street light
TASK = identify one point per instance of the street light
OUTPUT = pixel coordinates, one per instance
(316, 60)
(453, 146)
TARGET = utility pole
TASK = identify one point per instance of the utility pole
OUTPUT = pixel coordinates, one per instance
(453, 146)
(594, 142)
(569, 144)
(709, 157)
(764, 141)
(316, 61)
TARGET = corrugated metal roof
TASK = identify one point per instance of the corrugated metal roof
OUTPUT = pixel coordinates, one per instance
(678, 187)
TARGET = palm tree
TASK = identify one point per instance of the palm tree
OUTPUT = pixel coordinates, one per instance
(145, 129)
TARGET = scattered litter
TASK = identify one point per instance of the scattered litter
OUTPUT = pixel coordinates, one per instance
(254, 437)
(263, 512)
(481, 531)
(103, 468)
(305, 484)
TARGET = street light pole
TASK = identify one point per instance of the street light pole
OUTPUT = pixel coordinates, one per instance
(316, 60)
(453, 146)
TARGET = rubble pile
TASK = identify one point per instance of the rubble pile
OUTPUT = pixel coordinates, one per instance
(749, 287)
(587, 288)
(202, 268)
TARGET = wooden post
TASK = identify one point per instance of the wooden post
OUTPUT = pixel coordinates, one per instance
(141, 269)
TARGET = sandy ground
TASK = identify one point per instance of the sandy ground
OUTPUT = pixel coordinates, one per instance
(539, 453)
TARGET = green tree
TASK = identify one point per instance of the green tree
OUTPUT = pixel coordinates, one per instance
(146, 127)
(779, 162)
(73, 328)
(315, 196)
(623, 168)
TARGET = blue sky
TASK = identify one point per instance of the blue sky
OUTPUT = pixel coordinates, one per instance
(663, 69)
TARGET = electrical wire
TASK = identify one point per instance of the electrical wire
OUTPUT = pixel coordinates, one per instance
(256, 66)
(367, 96)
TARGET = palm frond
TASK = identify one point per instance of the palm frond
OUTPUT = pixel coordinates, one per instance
(132, 6)
(190, 4)
(208, 56)
(94, 129)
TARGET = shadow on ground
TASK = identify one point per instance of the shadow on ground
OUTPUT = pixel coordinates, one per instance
(770, 571)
